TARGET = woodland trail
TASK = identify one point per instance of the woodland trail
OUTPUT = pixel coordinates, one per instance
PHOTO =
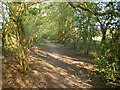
(61, 70)
(52, 66)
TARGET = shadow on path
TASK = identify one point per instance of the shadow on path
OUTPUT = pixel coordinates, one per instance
(60, 71)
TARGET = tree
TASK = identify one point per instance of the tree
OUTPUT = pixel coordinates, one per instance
(106, 13)
(97, 10)
(14, 38)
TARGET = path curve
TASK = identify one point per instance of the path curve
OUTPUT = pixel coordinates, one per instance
(51, 66)
(63, 71)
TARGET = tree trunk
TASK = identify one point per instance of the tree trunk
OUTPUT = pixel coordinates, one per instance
(103, 36)
(16, 41)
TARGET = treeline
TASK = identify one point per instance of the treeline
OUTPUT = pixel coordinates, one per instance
(78, 25)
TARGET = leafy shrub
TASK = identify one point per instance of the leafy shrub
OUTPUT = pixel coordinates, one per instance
(107, 62)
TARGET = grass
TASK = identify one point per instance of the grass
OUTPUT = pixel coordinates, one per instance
(40, 42)
(53, 40)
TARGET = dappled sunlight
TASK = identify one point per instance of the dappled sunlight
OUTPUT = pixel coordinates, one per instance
(33, 58)
(60, 76)
(70, 60)
(60, 57)
(51, 69)
(59, 45)
(60, 69)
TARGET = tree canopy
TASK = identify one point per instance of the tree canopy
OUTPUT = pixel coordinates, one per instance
(85, 26)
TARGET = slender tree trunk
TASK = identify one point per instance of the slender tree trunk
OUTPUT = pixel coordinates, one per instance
(103, 35)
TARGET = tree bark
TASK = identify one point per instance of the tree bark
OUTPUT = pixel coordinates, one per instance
(103, 35)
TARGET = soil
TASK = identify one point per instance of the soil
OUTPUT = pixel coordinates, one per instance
(52, 66)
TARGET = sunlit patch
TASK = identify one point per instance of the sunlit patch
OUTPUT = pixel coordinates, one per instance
(36, 72)
(70, 60)
(63, 72)
(20, 82)
(72, 80)
(55, 70)
(78, 62)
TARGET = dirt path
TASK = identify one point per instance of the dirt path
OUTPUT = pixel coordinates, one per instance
(62, 71)
(52, 66)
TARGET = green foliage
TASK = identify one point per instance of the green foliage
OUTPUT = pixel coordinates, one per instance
(53, 40)
(73, 24)
(33, 11)
(107, 62)
(40, 42)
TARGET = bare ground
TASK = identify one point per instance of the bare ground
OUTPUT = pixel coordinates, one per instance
(52, 66)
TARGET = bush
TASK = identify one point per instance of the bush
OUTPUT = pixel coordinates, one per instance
(107, 62)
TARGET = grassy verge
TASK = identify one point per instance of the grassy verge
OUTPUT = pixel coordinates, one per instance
(40, 42)
(54, 41)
